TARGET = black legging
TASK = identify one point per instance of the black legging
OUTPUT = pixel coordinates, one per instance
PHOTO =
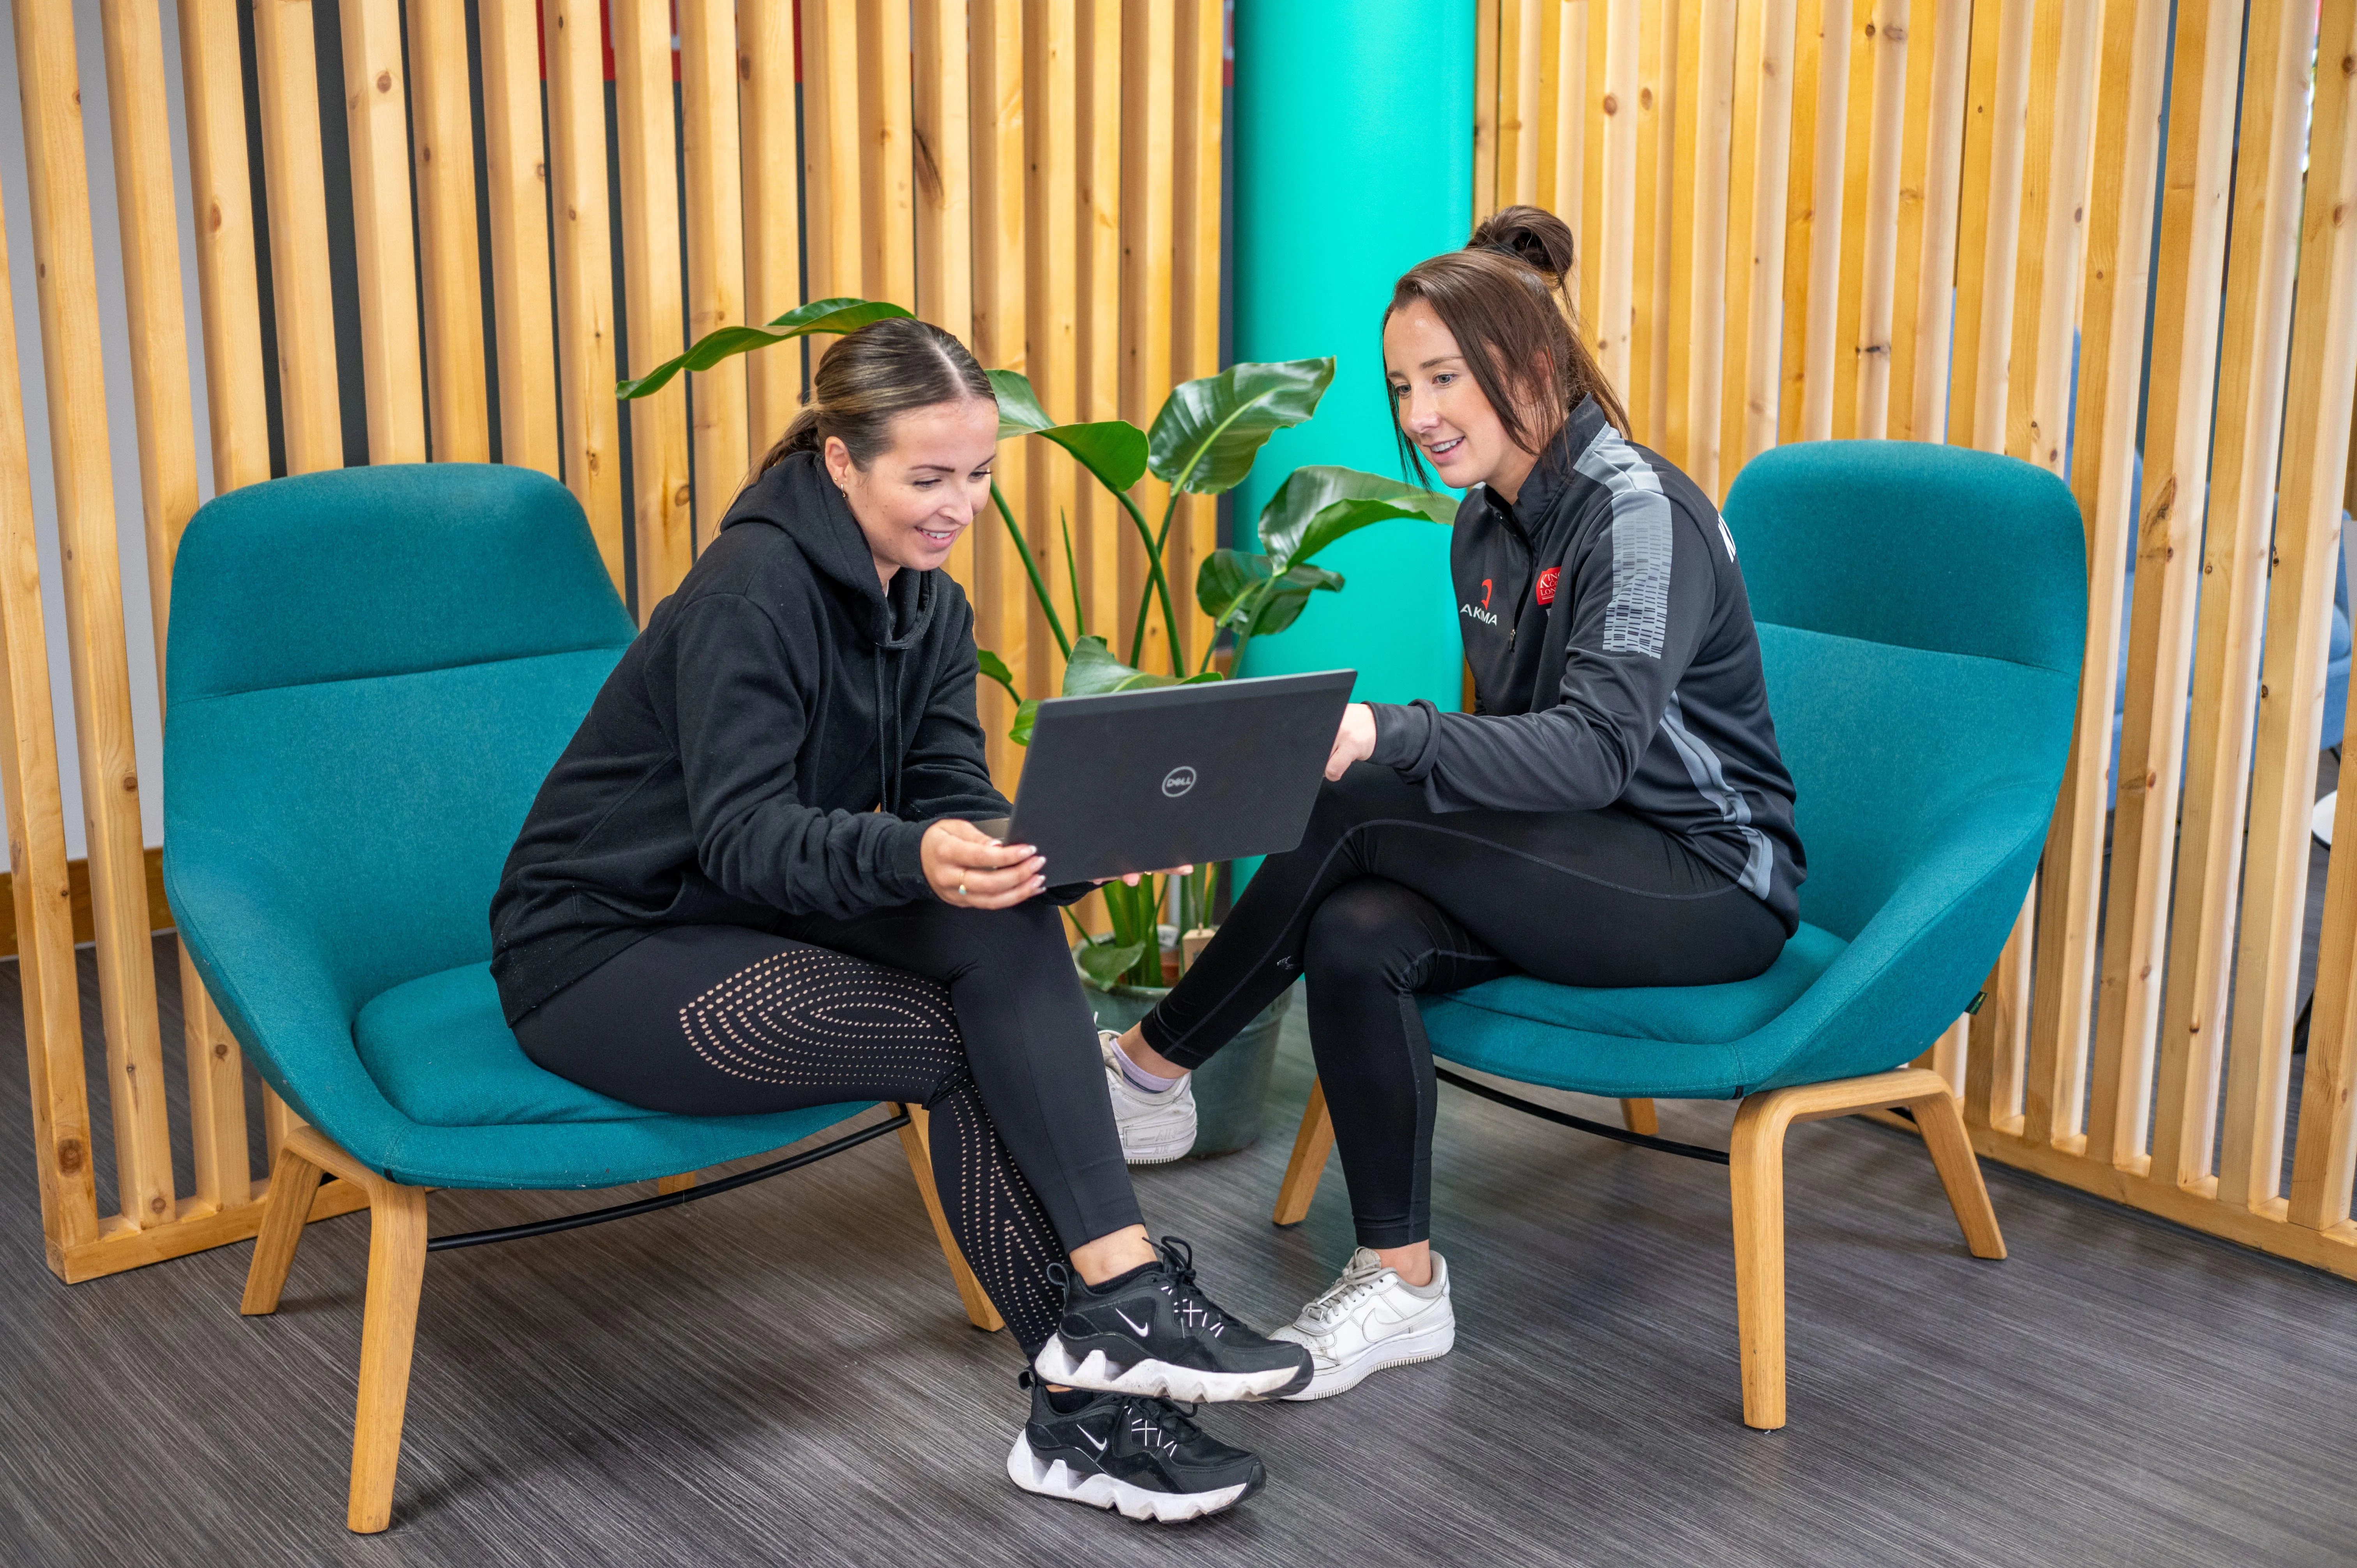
(975, 1014)
(1385, 899)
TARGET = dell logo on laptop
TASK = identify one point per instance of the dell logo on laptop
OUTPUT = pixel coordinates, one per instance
(1178, 781)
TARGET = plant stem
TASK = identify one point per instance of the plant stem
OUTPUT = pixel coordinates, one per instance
(1031, 570)
(1155, 582)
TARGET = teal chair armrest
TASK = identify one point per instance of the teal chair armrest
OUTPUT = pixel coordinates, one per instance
(287, 1012)
(1914, 967)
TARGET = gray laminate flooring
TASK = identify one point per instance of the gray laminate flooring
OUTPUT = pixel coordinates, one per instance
(782, 1375)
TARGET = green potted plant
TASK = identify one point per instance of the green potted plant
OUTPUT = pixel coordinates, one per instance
(1203, 442)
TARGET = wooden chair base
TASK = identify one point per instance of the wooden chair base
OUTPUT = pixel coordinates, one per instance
(397, 1272)
(1756, 1173)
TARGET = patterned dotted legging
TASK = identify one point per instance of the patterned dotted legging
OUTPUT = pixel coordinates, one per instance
(713, 1020)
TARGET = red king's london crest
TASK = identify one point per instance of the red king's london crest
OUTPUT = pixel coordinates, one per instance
(1546, 585)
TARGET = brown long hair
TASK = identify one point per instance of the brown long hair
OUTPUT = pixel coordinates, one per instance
(868, 378)
(1503, 298)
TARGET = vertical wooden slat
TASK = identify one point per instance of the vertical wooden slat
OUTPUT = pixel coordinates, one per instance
(2118, 270)
(287, 91)
(1715, 49)
(1566, 197)
(1486, 29)
(137, 102)
(1546, 106)
(1993, 1085)
(2187, 296)
(1195, 316)
(1646, 391)
(1771, 191)
(2045, 333)
(1923, 390)
(887, 230)
(1098, 526)
(457, 404)
(65, 268)
(1148, 213)
(2237, 553)
(37, 833)
(769, 132)
(944, 196)
(1000, 331)
(1800, 215)
(661, 503)
(1856, 169)
(515, 171)
(710, 154)
(1591, 180)
(1514, 48)
(2316, 445)
(1975, 170)
(1614, 324)
(1891, 35)
(1051, 74)
(831, 160)
(1814, 377)
(585, 286)
(383, 239)
(2008, 133)
(2033, 300)
(1680, 140)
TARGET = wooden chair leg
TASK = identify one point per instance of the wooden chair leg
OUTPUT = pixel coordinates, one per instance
(294, 1181)
(1310, 1147)
(388, 1334)
(1756, 1172)
(678, 1182)
(1756, 1177)
(1942, 1121)
(1638, 1116)
(916, 1142)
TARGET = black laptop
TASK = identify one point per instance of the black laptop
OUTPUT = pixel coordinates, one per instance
(1175, 776)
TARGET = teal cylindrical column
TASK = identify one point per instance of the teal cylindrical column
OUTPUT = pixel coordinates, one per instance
(1353, 161)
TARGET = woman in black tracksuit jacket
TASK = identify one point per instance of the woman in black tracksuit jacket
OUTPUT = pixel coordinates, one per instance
(1614, 812)
(752, 883)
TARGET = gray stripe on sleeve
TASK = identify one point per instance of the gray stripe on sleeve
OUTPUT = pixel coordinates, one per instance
(1637, 619)
(1709, 778)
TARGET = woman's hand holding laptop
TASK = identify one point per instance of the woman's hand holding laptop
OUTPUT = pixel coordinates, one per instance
(965, 866)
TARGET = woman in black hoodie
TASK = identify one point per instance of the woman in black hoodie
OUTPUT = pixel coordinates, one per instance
(752, 883)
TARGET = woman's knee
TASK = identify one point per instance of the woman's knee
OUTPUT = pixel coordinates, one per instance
(1366, 932)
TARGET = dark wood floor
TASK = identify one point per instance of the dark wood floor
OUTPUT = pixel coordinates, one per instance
(781, 1375)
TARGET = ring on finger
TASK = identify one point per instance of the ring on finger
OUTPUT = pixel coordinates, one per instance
(962, 892)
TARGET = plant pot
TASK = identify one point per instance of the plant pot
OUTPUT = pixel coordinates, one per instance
(1232, 1089)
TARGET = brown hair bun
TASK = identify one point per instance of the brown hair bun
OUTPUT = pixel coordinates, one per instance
(1531, 235)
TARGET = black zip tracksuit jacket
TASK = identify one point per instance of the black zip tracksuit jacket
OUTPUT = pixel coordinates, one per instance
(1614, 662)
(733, 766)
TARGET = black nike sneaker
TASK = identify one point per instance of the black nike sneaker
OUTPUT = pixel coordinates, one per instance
(1143, 1457)
(1153, 1332)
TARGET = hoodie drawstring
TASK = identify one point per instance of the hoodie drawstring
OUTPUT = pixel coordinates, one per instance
(888, 749)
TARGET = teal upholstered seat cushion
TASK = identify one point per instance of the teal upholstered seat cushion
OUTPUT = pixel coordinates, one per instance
(444, 1056)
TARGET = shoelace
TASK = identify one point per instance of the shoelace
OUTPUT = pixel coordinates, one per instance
(1176, 1423)
(1342, 1295)
(1181, 1259)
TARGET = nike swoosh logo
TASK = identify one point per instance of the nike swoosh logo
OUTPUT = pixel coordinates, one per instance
(1092, 1438)
(1135, 1326)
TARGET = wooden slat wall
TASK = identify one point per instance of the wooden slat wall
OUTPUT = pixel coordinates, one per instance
(1930, 205)
(1079, 243)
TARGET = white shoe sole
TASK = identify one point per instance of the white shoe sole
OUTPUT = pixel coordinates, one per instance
(1400, 1350)
(1054, 1478)
(1155, 1379)
(1158, 1152)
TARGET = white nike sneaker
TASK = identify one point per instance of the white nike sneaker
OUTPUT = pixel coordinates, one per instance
(1368, 1320)
(1155, 1128)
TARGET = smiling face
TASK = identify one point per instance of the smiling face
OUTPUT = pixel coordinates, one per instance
(925, 488)
(1443, 409)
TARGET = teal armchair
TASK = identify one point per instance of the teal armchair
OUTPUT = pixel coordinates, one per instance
(369, 672)
(1922, 617)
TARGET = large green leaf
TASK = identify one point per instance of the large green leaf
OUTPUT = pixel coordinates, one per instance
(994, 667)
(1112, 449)
(1091, 672)
(1209, 432)
(1319, 504)
(1282, 603)
(1104, 963)
(1226, 579)
(843, 314)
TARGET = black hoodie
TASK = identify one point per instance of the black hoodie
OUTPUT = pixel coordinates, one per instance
(776, 741)
(1614, 663)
